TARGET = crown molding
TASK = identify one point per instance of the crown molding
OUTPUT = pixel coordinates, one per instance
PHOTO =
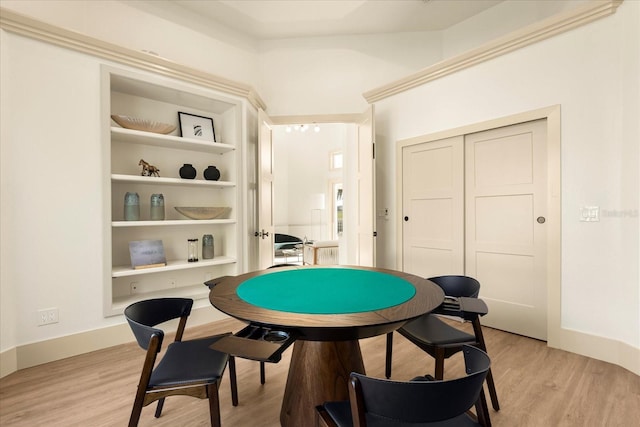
(526, 36)
(17, 23)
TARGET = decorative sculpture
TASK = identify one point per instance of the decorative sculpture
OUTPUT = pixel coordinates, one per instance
(147, 169)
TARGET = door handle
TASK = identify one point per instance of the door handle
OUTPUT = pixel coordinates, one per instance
(261, 234)
(406, 218)
(541, 220)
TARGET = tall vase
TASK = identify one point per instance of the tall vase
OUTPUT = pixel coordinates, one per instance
(157, 207)
(207, 246)
(131, 207)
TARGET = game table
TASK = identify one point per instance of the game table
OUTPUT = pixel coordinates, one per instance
(326, 309)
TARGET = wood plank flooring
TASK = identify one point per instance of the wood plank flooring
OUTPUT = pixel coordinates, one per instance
(537, 386)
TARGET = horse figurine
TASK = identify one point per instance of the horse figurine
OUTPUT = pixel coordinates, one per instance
(147, 169)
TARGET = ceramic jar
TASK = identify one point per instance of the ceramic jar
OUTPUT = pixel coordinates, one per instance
(187, 171)
(207, 246)
(212, 173)
(131, 207)
(157, 207)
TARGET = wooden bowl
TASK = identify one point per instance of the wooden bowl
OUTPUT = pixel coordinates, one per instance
(205, 212)
(142, 124)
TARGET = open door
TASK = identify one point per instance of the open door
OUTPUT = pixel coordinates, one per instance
(265, 191)
(366, 190)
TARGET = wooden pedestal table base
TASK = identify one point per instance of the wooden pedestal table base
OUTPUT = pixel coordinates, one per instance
(319, 372)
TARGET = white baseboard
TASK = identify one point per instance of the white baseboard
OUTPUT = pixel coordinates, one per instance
(597, 347)
(28, 355)
(25, 356)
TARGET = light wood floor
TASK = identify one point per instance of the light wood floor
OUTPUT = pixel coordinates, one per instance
(537, 386)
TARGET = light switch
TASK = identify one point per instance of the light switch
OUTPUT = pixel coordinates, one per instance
(590, 213)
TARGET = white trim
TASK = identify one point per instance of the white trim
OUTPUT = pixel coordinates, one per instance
(38, 353)
(25, 26)
(526, 36)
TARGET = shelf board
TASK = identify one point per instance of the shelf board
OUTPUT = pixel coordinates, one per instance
(124, 271)
(123, 224)
(154, 180)
(169, 141)
(198, 291)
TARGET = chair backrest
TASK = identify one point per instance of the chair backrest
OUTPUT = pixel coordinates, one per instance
(142, 316)
(458, 286)
(420, 401)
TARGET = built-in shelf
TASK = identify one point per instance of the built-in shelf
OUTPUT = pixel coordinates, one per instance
(154, 180)
(160, 99)
(196, 291)
(124, 271)
(168, 141)
(122, 224)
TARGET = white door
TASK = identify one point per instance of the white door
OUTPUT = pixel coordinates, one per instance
(433, 207)
(505, 188)
(265, 192)
(365, 189)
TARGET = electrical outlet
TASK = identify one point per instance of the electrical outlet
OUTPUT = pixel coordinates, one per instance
(47, 316)
(133, 287)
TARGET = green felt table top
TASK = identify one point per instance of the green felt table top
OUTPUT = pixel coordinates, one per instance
(326, 291)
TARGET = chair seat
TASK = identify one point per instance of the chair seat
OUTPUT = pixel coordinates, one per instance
(187, 362)
(431, 330)
(340, 412)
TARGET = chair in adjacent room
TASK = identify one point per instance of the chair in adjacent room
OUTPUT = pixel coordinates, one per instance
(421, 401)
(187, 368)
(440, 339)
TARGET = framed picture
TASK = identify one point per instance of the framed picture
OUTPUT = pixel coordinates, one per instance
(199, 127)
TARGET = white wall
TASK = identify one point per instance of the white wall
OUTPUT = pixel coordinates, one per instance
(594, 74)
(175, 35)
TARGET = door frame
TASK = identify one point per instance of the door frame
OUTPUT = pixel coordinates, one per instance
(555, 334)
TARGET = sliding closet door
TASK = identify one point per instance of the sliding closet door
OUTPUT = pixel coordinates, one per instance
(506, 181)
(433, 208)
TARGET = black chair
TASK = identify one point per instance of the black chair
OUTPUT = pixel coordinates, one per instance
(441, 340)
(187, 368)
(375, 402)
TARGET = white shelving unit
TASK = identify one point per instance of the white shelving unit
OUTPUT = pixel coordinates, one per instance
(156, 98)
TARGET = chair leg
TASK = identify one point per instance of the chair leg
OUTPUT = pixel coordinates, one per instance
(477, 329)
(137, 410)
(214, 405)
(233, 380)
(492, 391)
(387, 366)
(482, 411)
(159, 408)
(262, 374)
(439, 358)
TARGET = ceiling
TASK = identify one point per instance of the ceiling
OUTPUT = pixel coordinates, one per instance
(275, 19)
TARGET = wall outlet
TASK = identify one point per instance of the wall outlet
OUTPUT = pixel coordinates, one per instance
(47, 316)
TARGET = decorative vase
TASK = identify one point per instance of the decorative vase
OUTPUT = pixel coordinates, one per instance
(131, 207)
(212, 173)
(187, 171)
(207, 246)
(157, 207)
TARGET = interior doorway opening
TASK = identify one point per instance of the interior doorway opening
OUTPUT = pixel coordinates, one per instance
(309, 188)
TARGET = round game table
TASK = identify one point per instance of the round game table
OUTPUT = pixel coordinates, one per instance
(327, 309)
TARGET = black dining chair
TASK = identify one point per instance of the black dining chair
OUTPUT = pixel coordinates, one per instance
(440, 339)
(187, 368)
(423, 401)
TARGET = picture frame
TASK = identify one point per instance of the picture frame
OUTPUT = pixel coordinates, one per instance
(147, 254)
(198, 127)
